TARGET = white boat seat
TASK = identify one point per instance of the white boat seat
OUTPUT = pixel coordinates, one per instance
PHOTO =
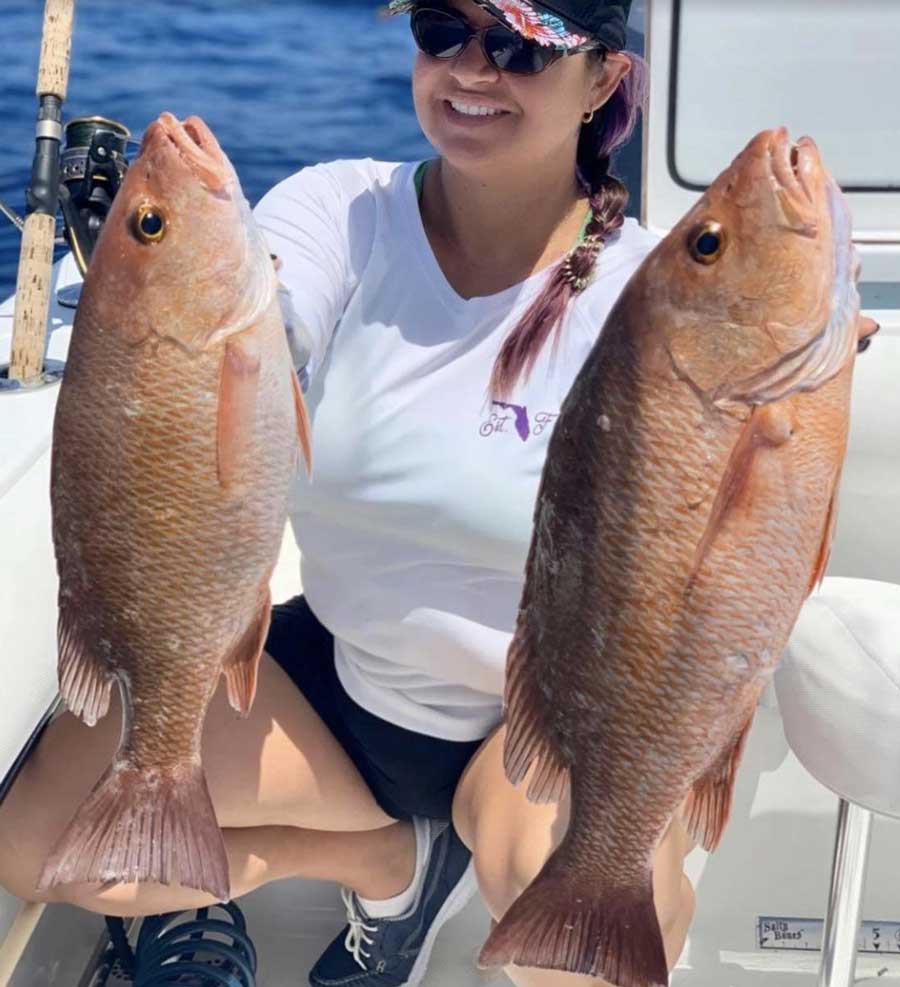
(838, 688)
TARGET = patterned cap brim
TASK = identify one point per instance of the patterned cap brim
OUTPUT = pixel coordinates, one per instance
(524, 18)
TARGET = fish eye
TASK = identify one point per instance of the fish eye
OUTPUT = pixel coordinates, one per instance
(707, 242)
(150, 224)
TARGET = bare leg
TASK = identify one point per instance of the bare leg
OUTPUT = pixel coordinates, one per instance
(259, 854)
(511, 839)
(290, 802)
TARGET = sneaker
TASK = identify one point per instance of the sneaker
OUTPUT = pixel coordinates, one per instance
(394, 952)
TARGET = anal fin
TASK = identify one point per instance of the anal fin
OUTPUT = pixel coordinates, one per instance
(706, 809)
(241, 667)
(85, 681)
(526, 740)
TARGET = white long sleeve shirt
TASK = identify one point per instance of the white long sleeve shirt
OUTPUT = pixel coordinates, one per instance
(415, 526)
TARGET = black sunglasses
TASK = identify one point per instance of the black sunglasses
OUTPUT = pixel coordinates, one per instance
(444, 33)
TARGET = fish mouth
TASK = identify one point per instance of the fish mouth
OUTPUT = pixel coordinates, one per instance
(796, 170)
(827, 351)
(195, 145)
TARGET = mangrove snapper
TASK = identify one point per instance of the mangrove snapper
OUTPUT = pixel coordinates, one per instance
(174, 444)
(685, 512)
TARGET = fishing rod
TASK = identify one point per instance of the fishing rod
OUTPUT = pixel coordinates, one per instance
(79, 175)
(39, 229)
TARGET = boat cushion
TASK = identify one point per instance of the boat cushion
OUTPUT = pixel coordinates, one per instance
(838, 688)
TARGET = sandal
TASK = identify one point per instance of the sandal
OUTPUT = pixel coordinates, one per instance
(196, 951)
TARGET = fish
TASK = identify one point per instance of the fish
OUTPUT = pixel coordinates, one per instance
(685, 511)
(179, 428)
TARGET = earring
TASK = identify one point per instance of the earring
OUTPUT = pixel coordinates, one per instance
(587, 117)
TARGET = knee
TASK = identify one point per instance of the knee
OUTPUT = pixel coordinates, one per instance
(675, 921)
(19, 866)
(21, 863)
(495, 881)
(509, 852)
(672, 892)
(678, 910)
(18, 877)
(24, 848)
(509, 836)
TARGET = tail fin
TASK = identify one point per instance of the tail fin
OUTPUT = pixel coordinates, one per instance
(143, 825)
(562, 924)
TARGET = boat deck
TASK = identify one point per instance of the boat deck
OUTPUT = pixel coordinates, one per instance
(292, 921)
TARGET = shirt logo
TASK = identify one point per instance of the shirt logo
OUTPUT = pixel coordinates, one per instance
(507, 418)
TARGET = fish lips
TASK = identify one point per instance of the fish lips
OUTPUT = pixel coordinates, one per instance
(800, 176)
(188, 146)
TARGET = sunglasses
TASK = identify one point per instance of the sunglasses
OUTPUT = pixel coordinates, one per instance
(444, 33)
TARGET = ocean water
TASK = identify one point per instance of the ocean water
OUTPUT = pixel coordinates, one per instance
(282, 84)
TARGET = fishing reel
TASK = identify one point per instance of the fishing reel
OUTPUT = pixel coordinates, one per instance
(92, 167)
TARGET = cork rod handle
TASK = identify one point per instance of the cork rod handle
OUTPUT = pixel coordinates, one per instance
(32, 297)
(56, 46)
(36, 252)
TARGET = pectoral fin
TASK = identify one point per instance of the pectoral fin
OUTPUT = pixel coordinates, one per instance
(304, 430)
(766, 427)
(824, 555)
(237, 403)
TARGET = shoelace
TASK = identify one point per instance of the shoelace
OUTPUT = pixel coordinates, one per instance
(356, 934)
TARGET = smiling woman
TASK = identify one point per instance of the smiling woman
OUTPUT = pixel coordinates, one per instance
(373, 752)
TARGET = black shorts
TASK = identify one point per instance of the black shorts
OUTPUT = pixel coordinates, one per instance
(409, 773)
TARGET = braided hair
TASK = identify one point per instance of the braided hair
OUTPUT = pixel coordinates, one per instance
(609, 128)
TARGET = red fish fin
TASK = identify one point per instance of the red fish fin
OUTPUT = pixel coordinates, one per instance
(304, 429)
(766, 426)
(237, 404)
(708, 805)
(525, 736)
(824, 555)
(241, 667)
(143, 825)
(84, 680)
(562, 923)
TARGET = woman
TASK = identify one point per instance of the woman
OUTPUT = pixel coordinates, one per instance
(403, 284)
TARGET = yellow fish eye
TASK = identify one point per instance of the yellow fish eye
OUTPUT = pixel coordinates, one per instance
(707, 242)
(150, 224)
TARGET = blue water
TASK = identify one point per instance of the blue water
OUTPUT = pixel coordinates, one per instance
(282, 84)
